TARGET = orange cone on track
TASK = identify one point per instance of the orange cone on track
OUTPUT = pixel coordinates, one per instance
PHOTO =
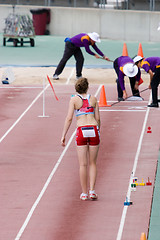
(102, 100)
(143, 236)
(125, 51)
(140, 51)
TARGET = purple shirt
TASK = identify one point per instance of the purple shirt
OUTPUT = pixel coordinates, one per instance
(82, 40)
(121, 62)
(150, 63)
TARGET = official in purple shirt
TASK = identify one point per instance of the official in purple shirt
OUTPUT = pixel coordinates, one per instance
(72, 48)
(124, 66)
(152, 66)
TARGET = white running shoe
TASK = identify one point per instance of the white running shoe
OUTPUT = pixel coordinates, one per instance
(78, 77)
(55, 77)
(84, 196)
(93, 195)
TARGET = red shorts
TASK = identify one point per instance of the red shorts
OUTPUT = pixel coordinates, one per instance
(88, 135)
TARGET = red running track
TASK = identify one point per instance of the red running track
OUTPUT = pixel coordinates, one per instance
(39, 182)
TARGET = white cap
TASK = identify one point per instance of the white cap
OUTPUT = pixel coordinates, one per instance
(94, 36)
(130, 69)
(137, 59)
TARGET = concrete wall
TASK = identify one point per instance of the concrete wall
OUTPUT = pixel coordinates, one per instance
(112, 24)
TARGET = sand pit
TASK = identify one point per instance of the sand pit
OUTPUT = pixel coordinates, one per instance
(35, 75)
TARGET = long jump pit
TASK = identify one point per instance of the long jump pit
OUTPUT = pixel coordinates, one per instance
(34, 75)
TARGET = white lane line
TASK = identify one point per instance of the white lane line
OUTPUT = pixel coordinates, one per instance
(110, 101)
(99, 88)
(69, 78)
(15, 123)
(47, 183)
(118, 110)
(15, 87)
(44, 189)
(124, 213)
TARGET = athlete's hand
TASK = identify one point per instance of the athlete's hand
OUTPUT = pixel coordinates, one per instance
(149, 86)
(63, 141)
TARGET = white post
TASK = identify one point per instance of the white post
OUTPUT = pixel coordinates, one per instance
(43, 99)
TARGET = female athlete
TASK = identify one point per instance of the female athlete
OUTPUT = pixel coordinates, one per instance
(86, 110)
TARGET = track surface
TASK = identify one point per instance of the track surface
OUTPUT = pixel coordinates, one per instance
(38, 178)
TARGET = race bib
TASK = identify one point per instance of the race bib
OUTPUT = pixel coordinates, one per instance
(88, 132)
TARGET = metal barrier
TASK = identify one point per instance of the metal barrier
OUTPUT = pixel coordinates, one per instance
(150, 5)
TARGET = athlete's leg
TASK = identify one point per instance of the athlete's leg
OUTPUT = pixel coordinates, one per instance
(93, 152)
(82, 152)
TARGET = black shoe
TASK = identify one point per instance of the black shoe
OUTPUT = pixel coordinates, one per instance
(136, 95)
(78, 77)
(120, 99)
(158, 100)
(153, 105)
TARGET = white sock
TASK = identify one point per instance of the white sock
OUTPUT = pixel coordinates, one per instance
(84, 194)
(91, 191)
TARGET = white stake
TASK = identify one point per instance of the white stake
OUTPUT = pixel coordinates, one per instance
(44, 88)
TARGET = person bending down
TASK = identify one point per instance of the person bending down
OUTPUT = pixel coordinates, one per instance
(152, 66)
(124, 66)
(72, 48)
(86, 109)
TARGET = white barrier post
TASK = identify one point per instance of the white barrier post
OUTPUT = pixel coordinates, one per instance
(43, 99)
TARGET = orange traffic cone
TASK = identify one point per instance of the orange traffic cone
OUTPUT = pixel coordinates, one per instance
(125, 51)
(143, 236)
(140, 51)
(102, 100)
